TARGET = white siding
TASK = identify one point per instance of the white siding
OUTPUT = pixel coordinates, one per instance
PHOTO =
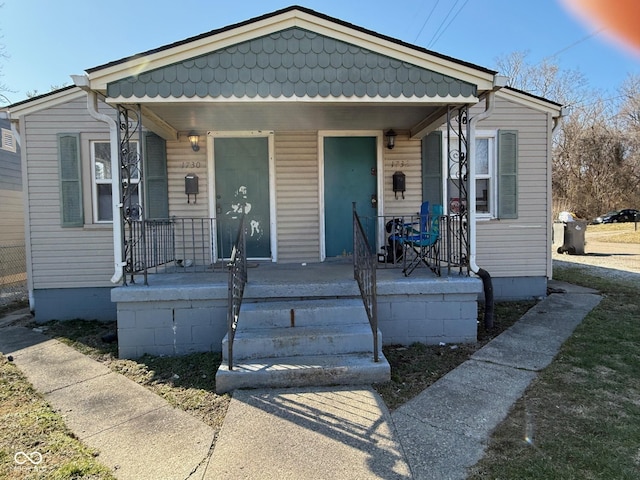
(519, 247)
(297, 196)
(405, 157)
(63, 257)
(181, 161)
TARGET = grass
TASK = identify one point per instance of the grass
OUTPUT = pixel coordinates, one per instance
(615, 232)
(579, 418)
(29, 425)
(188, 382)
(416, 367)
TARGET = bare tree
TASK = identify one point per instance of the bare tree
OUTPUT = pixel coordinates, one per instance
(544, 79)
(596, 158)
(3, 57)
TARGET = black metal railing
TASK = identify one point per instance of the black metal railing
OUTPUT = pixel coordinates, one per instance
(237, 282)
(451, 255)
(364, 271)
(194, 244)
(170, 245)
(158, 247)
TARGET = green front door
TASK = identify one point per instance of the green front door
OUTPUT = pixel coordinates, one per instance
(242, 185)
(349, 176)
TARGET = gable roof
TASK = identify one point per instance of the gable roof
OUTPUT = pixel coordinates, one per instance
(294, 17)
(277, 13)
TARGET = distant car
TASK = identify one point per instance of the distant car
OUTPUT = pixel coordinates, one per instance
(626, 215)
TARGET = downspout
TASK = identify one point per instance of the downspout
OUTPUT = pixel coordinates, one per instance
(498, 82)
(92, 106)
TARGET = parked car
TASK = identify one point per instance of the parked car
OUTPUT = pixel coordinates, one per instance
(626, 215)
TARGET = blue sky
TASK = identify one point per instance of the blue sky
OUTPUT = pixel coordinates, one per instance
(47, 41)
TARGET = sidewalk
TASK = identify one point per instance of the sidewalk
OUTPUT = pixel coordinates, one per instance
(329, 432)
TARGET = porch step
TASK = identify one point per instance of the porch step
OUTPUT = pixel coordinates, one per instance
(310, 342)
(288, 342)
(303, 313)
(308, 370)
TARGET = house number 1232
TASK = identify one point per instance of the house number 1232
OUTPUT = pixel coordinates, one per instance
(190, 164)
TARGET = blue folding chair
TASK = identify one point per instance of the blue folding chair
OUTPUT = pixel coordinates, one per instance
(422, 238)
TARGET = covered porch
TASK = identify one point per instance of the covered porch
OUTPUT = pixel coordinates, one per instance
(289, 120)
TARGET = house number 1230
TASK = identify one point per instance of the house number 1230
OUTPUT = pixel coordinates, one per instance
(190, 164)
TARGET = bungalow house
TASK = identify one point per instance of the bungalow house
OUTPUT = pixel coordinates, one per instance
(252, 146)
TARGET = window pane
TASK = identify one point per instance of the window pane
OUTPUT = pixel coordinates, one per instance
(482, 156)
(456, 205)
(482, 196)
(102, 158)
(105, 212)
(132, 161)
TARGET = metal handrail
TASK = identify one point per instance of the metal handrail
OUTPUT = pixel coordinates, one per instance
(237, 281)
(364, 271)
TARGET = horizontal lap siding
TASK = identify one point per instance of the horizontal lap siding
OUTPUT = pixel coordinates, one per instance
(182, 161)
(62, 257)
(297, 194)
(519, 247)
(406, 158)
(12, 222)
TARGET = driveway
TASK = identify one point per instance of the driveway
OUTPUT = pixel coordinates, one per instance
(618, 260)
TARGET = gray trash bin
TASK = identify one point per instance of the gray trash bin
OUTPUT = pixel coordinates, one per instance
(573, 239)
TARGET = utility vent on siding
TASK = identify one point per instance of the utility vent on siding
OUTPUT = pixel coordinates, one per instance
(8, 140)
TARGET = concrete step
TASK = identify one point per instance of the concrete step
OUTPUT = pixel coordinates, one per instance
(308, 370)
(297, 341)
(302, 313)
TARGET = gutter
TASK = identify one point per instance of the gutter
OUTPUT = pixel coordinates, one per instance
(499, 81)
(82, 81)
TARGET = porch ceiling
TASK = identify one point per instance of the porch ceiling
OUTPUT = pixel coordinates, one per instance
(290, 116)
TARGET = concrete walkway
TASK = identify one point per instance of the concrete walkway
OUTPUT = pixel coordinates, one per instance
(320, 433)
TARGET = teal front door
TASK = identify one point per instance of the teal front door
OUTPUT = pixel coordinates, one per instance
(242, 186)
(349, 176)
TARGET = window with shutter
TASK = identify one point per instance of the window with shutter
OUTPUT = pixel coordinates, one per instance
(102, 167)
(70, 177)
(507, 174)
(485, 163)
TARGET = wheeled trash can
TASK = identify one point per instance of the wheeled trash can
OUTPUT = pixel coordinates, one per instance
(572, 238)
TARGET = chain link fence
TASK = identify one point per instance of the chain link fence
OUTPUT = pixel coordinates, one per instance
(13, 274)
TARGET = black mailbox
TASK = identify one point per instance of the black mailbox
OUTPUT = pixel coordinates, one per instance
(191, 187)
(399, 183)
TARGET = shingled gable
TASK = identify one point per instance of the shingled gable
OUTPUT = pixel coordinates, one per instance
(291, 63)
(294, 52)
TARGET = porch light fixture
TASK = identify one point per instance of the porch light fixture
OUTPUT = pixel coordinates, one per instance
(193, 138)
(391, 139)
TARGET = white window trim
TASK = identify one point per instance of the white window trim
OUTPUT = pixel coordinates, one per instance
(95, 182)
(492, 135)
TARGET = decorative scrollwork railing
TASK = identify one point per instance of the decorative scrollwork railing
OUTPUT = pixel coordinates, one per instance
(364, 271)
(237, 282)
(131, 212)
(458, 162)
